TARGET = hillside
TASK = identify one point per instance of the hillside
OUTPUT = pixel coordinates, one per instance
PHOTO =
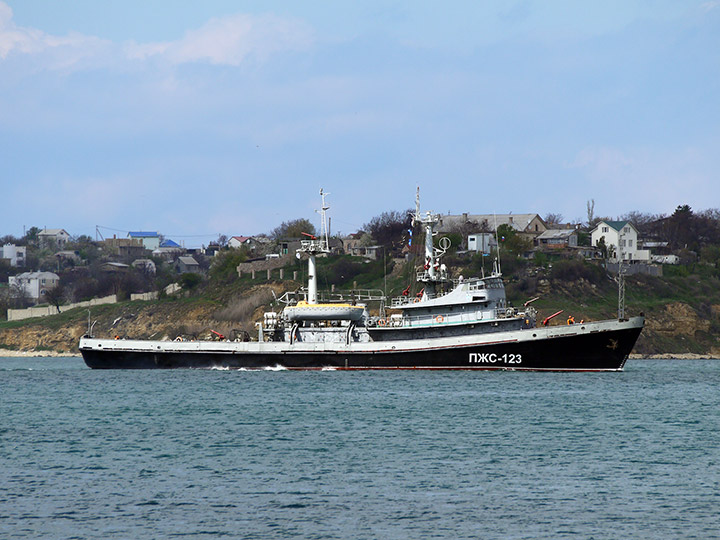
(682, 309)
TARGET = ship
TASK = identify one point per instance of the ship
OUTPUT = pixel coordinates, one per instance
(452, 323)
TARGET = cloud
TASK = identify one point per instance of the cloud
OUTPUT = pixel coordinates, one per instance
(230, 41)
(62, 51)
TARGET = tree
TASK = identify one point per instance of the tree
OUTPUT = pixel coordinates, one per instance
(553, 219)
(190, 280)
(511, 241)
(389, 229)
(602, 246)
(591, 213)
(679, 227)
(293, 229)
(9, 239)
(19, 297)
(467, 228)
(55, 296)
(31, 235)
(642, 221)
(5, 270)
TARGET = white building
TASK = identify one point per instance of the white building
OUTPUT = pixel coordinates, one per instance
(49, 238)
(15, 254)
(240, 241)
(150, 239)
(619, 236)
(481, 242)
(35, 284)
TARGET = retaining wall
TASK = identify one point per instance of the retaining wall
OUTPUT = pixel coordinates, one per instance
(28, 313)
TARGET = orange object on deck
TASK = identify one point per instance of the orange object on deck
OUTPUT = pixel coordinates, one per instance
(546, 320)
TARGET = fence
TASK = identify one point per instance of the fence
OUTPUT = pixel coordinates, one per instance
(636, 268)
(28, 313)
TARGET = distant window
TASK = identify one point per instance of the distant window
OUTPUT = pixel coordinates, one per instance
(630, 243)
(604, 229)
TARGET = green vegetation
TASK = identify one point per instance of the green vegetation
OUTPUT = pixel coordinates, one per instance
(583, 289)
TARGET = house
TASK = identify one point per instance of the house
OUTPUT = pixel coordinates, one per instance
(114, 268)
(168, 253)
(183, 265)
(69, 258)
(126, 248)
(211, 250)
(367, 252)
(16, 255)
(557, 239)
(34, 284)
(145, 265)
(527, 225)
(239, 241)
(619, 237)
(481, 242)
(150, 239)
(289, 246)
(50, 238)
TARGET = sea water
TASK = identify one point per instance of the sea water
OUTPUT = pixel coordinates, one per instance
(257, 454)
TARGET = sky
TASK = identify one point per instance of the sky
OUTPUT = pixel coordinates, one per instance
(197, 119)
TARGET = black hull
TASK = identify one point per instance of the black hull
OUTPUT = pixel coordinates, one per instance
(598, 351)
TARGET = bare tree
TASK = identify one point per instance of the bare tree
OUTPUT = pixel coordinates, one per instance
(591, 212)
(389, 229)
(641, 220)
(553, 219)
(55, 296)
(19, 297)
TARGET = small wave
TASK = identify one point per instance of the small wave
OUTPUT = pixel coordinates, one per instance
(329, 368)
(277, 367)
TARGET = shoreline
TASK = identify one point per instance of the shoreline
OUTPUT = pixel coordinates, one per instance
(10, 353)
(673, 356)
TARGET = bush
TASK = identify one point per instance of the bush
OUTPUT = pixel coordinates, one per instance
(190, 280)
(225, 263)
(345, 269)
(673, 270)
(572, 270)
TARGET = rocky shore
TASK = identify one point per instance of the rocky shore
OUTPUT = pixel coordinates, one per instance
(676, 356)
(8, 353)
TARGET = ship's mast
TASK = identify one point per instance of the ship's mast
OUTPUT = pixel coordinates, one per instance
(432, 272)
(621, 281)
(313, 247)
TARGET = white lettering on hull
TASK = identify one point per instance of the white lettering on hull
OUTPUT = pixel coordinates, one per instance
(492, 358)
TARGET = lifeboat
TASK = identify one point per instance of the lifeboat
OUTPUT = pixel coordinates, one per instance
(305, 311)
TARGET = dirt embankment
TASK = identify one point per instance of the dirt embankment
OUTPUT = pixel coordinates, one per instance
(164, 320)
